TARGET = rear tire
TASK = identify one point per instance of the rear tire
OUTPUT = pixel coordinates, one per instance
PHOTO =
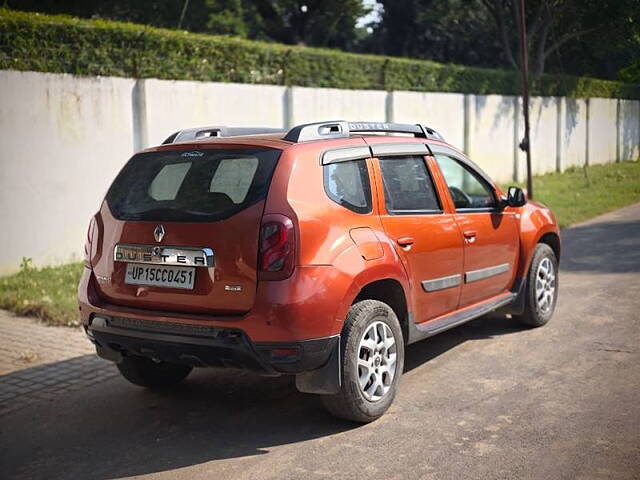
(147, 373)
(372, 356)
(541, 289)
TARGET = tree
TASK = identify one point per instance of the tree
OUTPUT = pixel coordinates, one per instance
(612, 47)
(457, 31)
(324, 23)
(553, 25)
(582, 37)
(592, 37)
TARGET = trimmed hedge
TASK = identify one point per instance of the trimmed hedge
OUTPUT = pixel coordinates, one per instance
(62, 44)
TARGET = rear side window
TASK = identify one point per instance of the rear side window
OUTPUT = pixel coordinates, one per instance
(191, 186)
(347, 184)
(408, 188)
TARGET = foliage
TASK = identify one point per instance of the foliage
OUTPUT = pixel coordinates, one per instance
(322, 23)
(458, 31)
(584, 37)
(62, 44)
(48, 293)
(612, 44)
(630, 73)
(578, 194)
(159, 13)
(564, 36)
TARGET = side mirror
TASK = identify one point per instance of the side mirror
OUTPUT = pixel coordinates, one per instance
(515, 197)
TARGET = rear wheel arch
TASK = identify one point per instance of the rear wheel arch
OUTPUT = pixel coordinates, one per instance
(390, 292)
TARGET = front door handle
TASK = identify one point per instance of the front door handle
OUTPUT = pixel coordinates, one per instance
(470, 236)
(405, 241)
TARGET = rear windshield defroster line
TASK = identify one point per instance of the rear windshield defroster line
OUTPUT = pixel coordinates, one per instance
(192, 186)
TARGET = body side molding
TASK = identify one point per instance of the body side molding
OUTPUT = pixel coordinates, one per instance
(441, 283)
(481, 274)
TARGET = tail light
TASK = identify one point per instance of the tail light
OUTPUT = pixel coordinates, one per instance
(277, 248)
(87, 243)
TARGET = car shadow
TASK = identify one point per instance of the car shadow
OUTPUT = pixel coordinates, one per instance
(113, 429)
(482, 328)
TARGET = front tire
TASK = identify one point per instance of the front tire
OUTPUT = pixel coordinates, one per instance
(145, 372)
(372, 356)
(541, 289)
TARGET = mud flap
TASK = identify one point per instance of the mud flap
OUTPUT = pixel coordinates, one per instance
(518, 305)
(325, 380)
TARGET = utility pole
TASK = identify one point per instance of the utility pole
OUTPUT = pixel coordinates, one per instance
(525, 144)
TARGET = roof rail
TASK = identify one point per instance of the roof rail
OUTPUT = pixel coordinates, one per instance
(217, 131)
(343, 129)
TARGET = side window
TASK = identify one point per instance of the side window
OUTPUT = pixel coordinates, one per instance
(467, 189)
(347, 184)
(408, 188)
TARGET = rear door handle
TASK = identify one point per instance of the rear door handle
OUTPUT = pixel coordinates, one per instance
(470, 236)
(405, 241)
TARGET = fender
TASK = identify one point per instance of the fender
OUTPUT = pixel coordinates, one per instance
(535, 221)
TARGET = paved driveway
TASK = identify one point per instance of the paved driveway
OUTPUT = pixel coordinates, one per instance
(486, 400)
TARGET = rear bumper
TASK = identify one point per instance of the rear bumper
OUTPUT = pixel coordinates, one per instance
(292, 310)
(205, 346)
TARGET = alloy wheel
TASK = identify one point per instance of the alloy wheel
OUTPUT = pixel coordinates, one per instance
(545, 285)
(377, 355)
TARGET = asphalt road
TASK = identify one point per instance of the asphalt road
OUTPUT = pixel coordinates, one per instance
(486, 400)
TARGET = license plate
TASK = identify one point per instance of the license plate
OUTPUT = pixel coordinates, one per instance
(160, 276)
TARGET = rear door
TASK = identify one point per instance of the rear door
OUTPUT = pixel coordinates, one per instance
(179, 230)
(427, 238)
(491, 239)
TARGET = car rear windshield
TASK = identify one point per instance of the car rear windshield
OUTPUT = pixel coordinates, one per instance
(191, 186)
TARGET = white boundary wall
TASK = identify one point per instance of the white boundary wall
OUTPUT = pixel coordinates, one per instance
(172, 105)
(63, 138)
(446, 110)
(572, 123)
(601, 130)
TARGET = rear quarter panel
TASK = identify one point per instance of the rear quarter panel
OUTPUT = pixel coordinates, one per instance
(324, 228)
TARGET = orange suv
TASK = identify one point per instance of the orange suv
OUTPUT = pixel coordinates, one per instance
(320, 252)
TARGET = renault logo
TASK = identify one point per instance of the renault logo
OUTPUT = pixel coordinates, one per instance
(158, 233)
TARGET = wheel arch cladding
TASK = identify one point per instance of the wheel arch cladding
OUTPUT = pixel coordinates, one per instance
(553, 240)
(390, 292)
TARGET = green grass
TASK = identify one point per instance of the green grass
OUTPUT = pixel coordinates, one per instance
(49, 293)
(579, 194)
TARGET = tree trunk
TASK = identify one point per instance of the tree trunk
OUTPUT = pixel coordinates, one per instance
(541, 54)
